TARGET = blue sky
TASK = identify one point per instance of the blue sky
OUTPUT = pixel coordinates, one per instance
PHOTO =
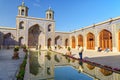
(69, 14)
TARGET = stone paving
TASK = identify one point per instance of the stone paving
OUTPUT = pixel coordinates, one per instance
(9, 67)
(110, 59)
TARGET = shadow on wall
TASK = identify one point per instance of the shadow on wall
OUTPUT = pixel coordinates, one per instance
(7, 40)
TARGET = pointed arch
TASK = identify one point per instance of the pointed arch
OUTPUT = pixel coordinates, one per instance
(22, 12)
(33, 35)
(21, 41)
(21, 25)
(49, 42)
(50, 15)
(105, 39)
(90, 41)
(80, 40)
(66, 43)
(73, 42)
(56, 40)
(49, 28)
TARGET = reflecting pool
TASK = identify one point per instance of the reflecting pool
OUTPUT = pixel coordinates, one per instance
(69, 73)
(50, 65)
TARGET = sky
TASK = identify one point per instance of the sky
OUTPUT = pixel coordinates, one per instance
(69, 14)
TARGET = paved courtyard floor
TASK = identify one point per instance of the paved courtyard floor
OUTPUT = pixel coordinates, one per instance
(9, 67)
(110, 59)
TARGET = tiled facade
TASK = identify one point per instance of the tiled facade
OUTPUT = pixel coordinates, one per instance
(41, 31)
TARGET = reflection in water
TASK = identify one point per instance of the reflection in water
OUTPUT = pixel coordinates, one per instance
(68, 73)
(46, 66)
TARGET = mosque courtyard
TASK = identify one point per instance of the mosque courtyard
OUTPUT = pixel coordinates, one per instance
(9, 67)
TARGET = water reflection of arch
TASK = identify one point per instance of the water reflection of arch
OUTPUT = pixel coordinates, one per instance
(33, 35)
(58, 40)
(90, 41)
(8, 40)
(105, 39)
(49, 42)
(73, 41)
(80, 40)
(21, 41)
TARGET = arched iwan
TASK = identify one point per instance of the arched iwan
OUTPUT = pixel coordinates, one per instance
(73, 42)
(105, 39)
(90, 41)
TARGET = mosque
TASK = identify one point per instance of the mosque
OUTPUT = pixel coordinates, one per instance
(41, 31)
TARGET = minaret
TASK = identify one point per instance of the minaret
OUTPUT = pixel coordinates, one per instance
(22, 10)
(50, 14)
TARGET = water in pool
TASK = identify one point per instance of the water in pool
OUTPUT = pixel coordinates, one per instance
(69, 73)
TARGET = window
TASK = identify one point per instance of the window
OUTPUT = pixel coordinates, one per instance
(49, 27)
(21, 25)
(22, 12)
(47, 16)
(50, 16)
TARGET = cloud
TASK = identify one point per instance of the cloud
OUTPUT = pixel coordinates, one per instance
(36, 4)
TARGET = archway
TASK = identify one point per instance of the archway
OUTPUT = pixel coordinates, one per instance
(90, 41)
(20, 41)
(21, 25)
(49, 42)
(58, 40)
(73, 42)
(105, 39)
(66, 43)
(33, 35)
(80, 40)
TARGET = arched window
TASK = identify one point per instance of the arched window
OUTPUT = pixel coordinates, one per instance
(22, 12)
(50, 15)
(105, 39)
(21, 25)
(49, 27)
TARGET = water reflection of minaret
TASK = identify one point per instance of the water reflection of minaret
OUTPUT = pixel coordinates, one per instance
(47, 66)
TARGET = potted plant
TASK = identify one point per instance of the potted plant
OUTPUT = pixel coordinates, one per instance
(24, 48)
(69, 48)
(16, 54)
